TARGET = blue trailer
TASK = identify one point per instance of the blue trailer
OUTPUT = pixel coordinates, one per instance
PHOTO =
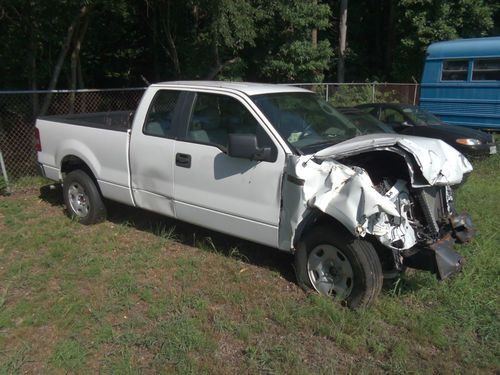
(461, 82)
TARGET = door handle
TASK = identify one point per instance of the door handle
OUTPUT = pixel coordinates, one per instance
(183, 160)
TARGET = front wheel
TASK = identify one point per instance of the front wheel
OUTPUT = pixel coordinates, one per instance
(336, 264)
(82, 198)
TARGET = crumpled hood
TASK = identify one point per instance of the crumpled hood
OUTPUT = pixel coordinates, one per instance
(440, 163)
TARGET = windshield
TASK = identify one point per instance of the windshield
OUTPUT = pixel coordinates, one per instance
(421, 116)
(307, 121)
(367, 122)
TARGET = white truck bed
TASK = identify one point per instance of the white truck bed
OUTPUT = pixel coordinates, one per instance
(106, 133)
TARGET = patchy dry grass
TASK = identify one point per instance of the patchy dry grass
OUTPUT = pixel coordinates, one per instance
(143, 294)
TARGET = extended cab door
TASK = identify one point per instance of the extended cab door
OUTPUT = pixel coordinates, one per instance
(152, 150)
(232, 195)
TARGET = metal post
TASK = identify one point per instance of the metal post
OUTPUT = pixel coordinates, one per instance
(326, 95)
(4, 172)
(373, 92)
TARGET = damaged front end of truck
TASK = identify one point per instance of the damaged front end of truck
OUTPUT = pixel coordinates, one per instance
(394, 190)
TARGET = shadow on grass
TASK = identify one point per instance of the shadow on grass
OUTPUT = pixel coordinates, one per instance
(209, 240)
(52, 194)
(188, 234)
(407, 283)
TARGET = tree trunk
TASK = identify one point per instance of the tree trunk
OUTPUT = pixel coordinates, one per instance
(342, 41)
(81, 82)
(218, 66)
(314, 33)
(171, 45)
(33, 66)
(156, 65)
(84, 10)
(75, 61)
(390, 38)
(217, 69)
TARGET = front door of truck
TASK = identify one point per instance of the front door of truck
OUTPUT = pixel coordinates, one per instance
(232, 195)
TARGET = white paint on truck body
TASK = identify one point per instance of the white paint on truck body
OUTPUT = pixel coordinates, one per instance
(103, 151)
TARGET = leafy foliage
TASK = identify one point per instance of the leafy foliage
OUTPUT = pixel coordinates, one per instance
(387, 39)
(348, 96)
(291, 56)
(422, 22)
(127, 43)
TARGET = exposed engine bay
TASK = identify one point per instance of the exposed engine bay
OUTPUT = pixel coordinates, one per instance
(386, 192)
(427, 221)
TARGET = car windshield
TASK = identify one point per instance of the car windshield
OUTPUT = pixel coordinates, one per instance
(367, 122)
(308, 122)
(421, 116)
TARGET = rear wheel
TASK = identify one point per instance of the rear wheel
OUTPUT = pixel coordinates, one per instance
(336, 264)
(82, 198)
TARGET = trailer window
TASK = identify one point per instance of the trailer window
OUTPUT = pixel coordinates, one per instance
(455, 70)
(486, 70)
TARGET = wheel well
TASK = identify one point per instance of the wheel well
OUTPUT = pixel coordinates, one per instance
(317, 218)
(72, 163)
(313, 219)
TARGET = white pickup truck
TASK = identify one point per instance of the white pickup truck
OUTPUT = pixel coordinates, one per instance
(273, 164)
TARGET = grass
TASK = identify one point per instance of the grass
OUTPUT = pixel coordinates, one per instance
(144, 294)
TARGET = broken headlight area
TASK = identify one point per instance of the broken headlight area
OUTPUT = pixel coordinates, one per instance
(443, 228)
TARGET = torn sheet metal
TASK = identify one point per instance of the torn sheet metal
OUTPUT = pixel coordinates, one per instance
(348, 195)
(440, 163)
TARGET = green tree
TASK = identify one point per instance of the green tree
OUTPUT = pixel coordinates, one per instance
(387, 38)
(286, 39)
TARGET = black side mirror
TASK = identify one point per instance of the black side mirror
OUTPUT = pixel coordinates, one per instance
(245, 146)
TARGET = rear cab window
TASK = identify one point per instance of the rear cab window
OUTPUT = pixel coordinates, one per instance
(159, 121)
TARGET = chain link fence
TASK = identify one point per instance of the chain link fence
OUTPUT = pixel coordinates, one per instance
(351, 94)
(19, 109)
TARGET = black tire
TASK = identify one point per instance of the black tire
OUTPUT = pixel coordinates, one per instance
(82, 198)
(352, 264)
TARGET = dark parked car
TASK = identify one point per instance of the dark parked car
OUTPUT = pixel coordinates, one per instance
(412, 120)
(364, 120)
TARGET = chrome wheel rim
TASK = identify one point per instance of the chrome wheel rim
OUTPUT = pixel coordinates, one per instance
(78, 200)
(330, 271)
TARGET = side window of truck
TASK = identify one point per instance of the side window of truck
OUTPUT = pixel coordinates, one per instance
(215, 116)
(159, 121)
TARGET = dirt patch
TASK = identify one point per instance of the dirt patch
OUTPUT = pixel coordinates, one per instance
(33, 346)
